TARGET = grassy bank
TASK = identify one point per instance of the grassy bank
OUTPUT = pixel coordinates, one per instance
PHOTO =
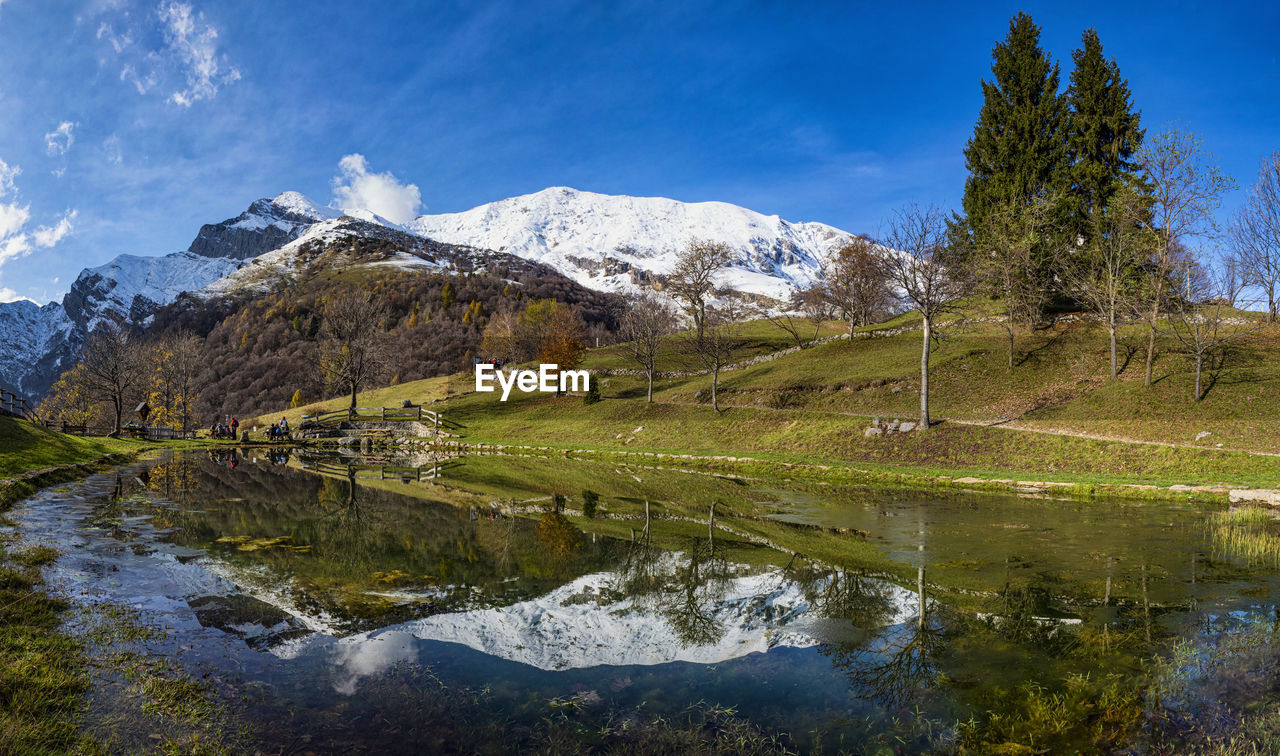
(1055, 416)
(824, 438)
(43, 672)
(29, 447)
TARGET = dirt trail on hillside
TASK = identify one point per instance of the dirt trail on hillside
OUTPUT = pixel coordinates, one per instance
(1004, 424)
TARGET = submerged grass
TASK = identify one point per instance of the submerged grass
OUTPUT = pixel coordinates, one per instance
(1251, 534)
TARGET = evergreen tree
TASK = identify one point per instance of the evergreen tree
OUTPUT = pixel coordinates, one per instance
(1103, 133)
(1018, 150)
(447, 295)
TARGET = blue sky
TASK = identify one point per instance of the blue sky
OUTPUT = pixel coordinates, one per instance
(125, 125)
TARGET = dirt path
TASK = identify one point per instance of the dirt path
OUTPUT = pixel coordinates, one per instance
(1006, 424)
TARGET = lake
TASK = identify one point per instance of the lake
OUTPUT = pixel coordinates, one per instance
(335, 604)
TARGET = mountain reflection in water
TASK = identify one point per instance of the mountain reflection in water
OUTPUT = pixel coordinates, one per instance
(806, 606)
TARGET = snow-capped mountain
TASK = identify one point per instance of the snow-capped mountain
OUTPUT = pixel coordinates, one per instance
(603, 242)
(38, 343)
(618, 243)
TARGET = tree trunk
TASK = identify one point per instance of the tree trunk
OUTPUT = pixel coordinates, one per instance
(650, 398)
(1010, 341)
(851, 327)
(924, 377)
(1199, 362)
(1111, 330)
(1151, 343)
(353, 398)
(715, 380)
(118, 404)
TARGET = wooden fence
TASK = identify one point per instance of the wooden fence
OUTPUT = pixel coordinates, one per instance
(150, 432)
(402, 473)
(377, 414)
(12, 404)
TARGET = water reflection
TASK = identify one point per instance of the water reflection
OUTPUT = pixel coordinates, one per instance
(545, 575)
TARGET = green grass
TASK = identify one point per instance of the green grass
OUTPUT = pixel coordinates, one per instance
(28, 447)
(418, 392)
(43, 672)
(812, 406)
(814, 437)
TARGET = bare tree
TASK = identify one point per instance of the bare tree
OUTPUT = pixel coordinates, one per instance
(645, 326)
(913, 262)
(1203, 321)
(354, 348)
(814, 304)
(112, 367)
(1106, 280)
(854, 282)
(1008, 264)
(715, 345)
(692, 281)
(1256, 233)
(1186, 188)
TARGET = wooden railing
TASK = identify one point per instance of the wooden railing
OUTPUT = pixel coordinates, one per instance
(377, 414)
(403, 473)
(150, 433)
(12, 404)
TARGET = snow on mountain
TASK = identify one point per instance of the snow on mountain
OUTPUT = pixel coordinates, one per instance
(582, 624)
(604, 242)
(266, 225)
(33, 335)
(615, 243)
(131, 287)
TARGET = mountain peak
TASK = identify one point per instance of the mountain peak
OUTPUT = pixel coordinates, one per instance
(299, 204)
(622, 243)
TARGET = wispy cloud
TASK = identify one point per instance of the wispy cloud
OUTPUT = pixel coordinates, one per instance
(7, 294)
(59, 141)
(111, 148)
(195, 42)
(15, 240)
(355, 188)
(189, 64)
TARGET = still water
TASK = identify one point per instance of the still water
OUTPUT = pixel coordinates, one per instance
(338, 604)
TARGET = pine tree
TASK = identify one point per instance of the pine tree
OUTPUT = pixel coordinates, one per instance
(447, 295)
(1103, 133)
(1018, 150)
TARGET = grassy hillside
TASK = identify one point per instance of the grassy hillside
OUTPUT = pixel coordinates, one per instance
(812, 405)
(28, 446)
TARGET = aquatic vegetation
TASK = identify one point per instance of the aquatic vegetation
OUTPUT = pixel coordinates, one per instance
(1249, 533)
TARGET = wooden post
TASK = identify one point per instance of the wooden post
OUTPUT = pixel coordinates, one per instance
(384, 413)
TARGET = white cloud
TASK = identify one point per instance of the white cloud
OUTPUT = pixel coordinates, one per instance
(7, 175)
(12, 219)
(118, 41)
(58, 142)
(195, 43)
(355, 188)
(15, 241)
(173, 49)
(111, 147)
(7, 294)
(140, 82)
(46, 236)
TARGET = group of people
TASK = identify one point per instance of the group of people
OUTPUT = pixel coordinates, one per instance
(221, 430)
(276, 432)
(279, 431)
